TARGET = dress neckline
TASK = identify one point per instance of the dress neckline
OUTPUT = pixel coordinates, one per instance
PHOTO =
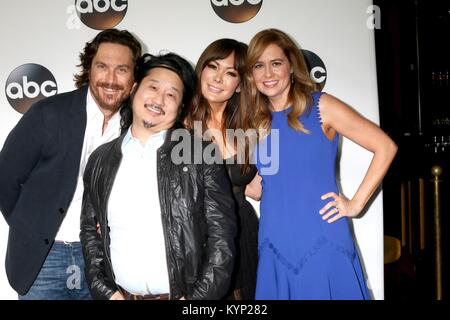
(287, 110)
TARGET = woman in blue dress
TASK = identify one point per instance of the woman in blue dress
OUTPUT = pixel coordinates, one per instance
(306, 250)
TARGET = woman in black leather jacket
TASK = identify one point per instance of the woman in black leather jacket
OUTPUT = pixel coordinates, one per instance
(196, 204)
(220, 105)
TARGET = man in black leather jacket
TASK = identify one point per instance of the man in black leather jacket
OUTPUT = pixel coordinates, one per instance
(191, 205)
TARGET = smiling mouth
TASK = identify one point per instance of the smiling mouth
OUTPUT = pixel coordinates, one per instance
(271, 83)
(214, 89)
(110, 88)
(155, 109)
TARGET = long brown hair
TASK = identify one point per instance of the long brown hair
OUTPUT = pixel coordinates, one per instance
(301, 84)
(237, 113)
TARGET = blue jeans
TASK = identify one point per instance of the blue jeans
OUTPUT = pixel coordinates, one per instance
(62, 275)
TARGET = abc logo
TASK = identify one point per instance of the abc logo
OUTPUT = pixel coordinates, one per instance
(28, 84)
(316, 68)
(236, 11)
(101, 14)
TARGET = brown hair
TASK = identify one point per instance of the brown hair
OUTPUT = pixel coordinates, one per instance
(301, 87)
(237, 111)
(122, 37)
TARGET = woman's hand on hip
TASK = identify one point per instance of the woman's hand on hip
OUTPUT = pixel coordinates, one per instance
(339, 207)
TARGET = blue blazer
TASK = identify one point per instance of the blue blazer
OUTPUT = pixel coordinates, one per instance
(39, 166)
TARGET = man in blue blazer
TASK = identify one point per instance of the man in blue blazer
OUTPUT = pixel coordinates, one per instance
(42, 164)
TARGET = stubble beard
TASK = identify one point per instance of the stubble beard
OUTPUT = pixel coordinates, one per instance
(148, 125)
(113, 105)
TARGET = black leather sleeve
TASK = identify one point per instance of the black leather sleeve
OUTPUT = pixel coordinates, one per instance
(100, 285)
(221, 232)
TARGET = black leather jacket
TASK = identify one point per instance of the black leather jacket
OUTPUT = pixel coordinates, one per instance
(197, 213)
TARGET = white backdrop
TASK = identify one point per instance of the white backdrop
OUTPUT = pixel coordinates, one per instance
(48, 32)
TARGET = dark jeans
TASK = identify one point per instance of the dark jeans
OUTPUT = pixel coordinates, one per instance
(62, 275)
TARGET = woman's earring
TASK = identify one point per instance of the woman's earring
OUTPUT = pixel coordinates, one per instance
(292, 77)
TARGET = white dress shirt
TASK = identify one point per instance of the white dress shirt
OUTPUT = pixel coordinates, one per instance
(93, 138)
(138, 252)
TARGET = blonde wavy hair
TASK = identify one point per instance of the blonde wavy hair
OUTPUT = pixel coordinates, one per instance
(301, 84)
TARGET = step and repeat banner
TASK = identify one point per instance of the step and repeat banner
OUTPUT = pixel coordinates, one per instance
(41, 41)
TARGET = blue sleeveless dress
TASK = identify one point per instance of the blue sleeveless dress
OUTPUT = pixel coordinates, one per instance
(302, 256)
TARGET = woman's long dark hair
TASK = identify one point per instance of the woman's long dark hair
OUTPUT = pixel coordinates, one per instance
(236, 114)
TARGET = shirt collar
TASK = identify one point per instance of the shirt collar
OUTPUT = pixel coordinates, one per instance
(155, 139)
(92, 109)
